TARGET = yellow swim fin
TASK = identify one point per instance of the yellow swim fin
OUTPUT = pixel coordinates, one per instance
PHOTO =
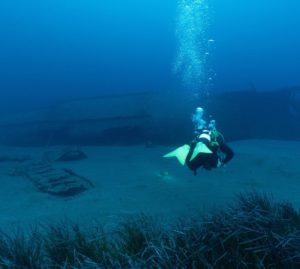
(200, 148)
(180, 153)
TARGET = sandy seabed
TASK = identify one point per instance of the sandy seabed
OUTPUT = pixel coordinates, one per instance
(134, 180)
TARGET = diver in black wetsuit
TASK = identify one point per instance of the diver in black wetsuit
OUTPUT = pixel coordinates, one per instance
(214, 141)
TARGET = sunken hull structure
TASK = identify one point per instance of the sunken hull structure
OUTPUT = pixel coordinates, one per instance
(151, 118)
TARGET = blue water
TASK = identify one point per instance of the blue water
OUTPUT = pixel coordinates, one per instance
(54, 50)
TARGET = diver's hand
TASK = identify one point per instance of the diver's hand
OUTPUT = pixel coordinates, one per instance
(220, 163)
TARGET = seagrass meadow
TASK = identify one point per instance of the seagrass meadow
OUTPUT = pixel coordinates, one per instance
(254, 231)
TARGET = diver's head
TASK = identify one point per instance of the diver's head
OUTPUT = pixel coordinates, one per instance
(198, 119)
(199, 110)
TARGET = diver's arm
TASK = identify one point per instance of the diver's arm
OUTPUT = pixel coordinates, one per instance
(227, 151)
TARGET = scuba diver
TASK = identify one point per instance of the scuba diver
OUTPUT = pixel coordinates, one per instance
(207, 149)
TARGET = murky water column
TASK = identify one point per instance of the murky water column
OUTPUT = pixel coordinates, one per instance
(194, 45)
